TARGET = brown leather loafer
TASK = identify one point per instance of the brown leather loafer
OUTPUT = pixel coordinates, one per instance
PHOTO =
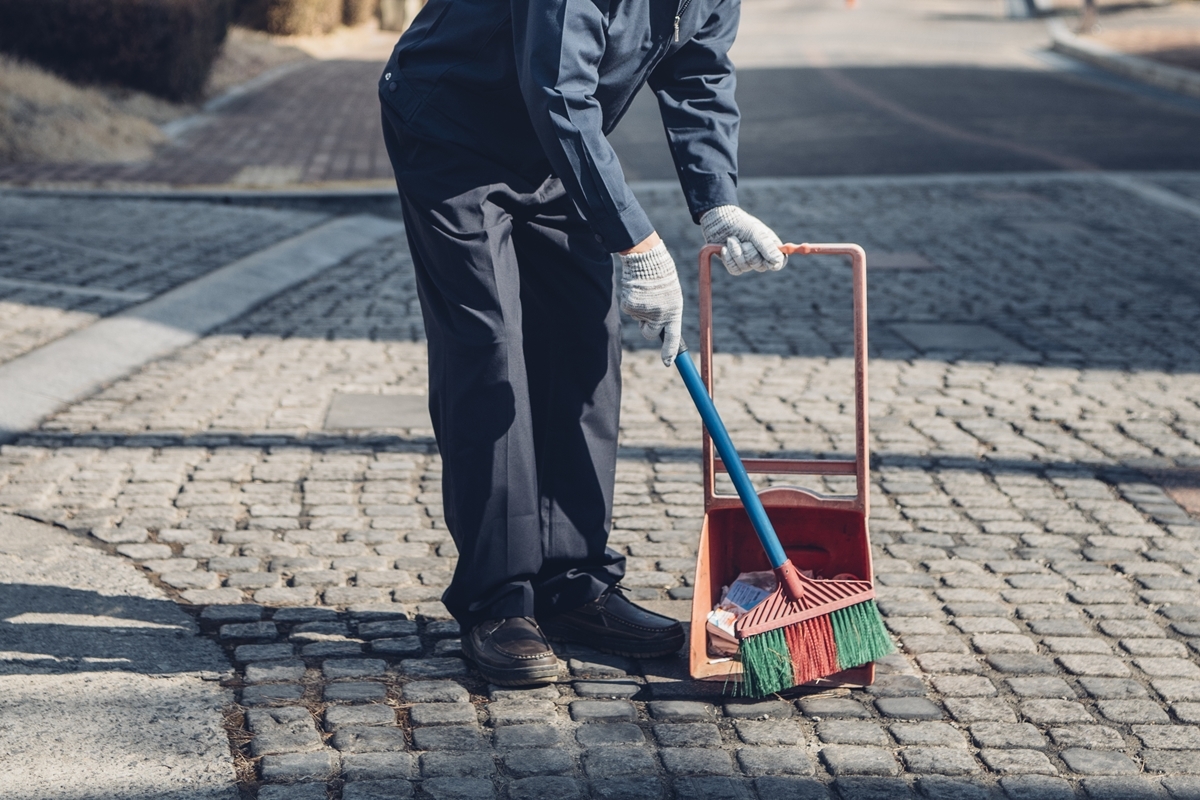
(511, 652)
(614, 624)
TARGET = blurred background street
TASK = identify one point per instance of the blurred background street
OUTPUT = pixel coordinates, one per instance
(222, 546)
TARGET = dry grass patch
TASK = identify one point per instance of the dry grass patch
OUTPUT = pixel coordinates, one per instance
(43, 118)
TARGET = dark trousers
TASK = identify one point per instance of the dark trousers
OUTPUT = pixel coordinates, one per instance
(521, 317)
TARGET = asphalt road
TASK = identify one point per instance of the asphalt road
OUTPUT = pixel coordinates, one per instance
(841, 114)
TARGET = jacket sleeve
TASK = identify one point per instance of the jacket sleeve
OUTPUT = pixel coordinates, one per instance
(559, 45)
(695, 87)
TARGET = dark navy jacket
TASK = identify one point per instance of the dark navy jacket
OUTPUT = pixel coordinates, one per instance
(537, 84)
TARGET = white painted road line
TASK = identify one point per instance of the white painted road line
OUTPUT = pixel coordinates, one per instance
(86, 291)
(42, 381)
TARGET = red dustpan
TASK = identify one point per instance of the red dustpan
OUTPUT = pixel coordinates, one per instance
(822, 535)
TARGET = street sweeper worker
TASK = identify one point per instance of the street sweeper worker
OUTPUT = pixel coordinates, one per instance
(495, 114)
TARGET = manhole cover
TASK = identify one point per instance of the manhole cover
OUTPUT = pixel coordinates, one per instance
(375, 411)
(957, 337)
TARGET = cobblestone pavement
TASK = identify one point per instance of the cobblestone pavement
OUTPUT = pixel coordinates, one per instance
(65, 262)
(1034, 386)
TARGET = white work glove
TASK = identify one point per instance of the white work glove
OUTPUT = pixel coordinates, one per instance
(746, 242)
(650, 294)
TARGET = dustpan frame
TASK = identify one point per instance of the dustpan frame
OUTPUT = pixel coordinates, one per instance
(702, 666)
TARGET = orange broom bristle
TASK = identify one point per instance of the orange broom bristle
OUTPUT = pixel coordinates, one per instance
(812, 648)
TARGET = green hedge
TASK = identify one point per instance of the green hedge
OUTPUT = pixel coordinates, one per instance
(165, 47)
(290, 17)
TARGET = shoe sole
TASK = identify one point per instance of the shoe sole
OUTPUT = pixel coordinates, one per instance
(539, 676)
(663, 649)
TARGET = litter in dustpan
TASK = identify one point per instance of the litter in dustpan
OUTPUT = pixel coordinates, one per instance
(820, 624)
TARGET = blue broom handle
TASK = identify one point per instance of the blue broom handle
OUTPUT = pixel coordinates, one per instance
(733, 464)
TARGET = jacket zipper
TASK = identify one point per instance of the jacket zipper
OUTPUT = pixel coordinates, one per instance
(682, 8)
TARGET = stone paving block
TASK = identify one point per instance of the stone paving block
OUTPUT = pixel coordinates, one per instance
(1177, 689)
(337, 649)
(335, 668)
(1094, 665)
(681, 711)
(696, 761)
(1017, 762)
(1130, 788)
(532, 735)
(769, 731)
(832, 707)
(1098, 762)
(938, 761)
(1040, 687)
(861, 787)
(253, 631)
(791, 788)
(964, 685)
(897, 686)
(601, 666)
(763, 709)
(1187, 712)
(944, 663)
(613, 733)
(447, 737)
(908, 708)
(401, 646)
(1167, 667)
(538, 761)
(449, 788)
(221, 614)
(774, 761)
(1005, 735)
(303, 791)
(1168, 737)
(443, 714)
(377, 767)
(836, 731)
(938, 734)
(435, 692)
(684, 734)
(375, 790)
(282, 730)
(245, 653)
(355, 692)
(375, 714)
(716, 787)
(538, 788)
(611, 689)
(1113, 688)
(1022, 664)
(1128, 711)
(1047, 712)
(369, 739)
(387, 629)
(979, 709)
(298, 767)
(1036, 787)
(602, 710)
(457, 765)
(1182, 787)
(268, 671)
(843, 759)
(627, 788)
(1175, 762)
(938, 787)
(1087, 736)
(605, 762)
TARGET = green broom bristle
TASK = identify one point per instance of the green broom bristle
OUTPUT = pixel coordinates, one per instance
(860, 635)
(766, 664)
(770, 663)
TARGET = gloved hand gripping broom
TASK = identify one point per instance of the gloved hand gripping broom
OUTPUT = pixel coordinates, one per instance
(806, 629)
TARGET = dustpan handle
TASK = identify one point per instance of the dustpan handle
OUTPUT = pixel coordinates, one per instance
(733, 464)
(859, 467)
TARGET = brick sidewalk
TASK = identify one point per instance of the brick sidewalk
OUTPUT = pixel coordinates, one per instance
(316, 124)
(1030, 383)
